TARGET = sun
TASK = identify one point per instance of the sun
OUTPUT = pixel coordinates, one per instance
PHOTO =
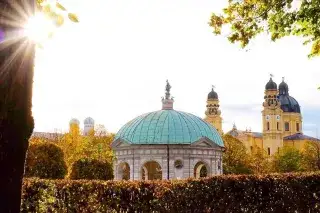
(38, 28)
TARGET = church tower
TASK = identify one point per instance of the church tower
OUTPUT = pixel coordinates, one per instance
(213, 113)
(272, 119)
(88, 126)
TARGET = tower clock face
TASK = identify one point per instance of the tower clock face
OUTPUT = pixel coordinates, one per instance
(278, 117)
(268, 117)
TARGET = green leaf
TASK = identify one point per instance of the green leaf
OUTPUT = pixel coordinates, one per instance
(73, 17)
(58, 5)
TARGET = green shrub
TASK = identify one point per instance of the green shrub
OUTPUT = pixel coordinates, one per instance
(245, 193)
(91, 169)
(45, 160)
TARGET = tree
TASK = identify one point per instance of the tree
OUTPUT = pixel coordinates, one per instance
(16, 122)
(288, 159)
(279, 18)
(72, 145)
(311, 156)
(16, 77)
(259, 161)
(235, 158)
(98, 147)
(45, 160)
(76, 146)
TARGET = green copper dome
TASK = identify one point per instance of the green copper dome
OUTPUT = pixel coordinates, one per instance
(168, 127)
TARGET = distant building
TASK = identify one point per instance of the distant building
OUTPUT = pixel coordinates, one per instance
(281, 119)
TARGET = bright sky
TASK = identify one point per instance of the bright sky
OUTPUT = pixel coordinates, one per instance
(113, 65)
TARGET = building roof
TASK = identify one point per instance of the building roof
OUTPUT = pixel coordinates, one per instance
(168, 127)
(236, 133)
(74, 121)
(271, 85)
(300, 136)
(212, 94)
(47, 135)
(89, 121)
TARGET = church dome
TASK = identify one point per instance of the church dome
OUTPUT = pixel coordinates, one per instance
(271, 85)
(74, 121)
(212, 95)
(289, 104)
(168, 127)
(89, 121)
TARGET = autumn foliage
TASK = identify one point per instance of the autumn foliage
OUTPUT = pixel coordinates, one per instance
(243, 193)
(91, 169)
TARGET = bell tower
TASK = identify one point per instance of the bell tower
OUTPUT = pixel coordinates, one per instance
(213, 113)
(272, 119)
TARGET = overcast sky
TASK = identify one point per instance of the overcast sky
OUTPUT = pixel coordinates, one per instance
(113, 65)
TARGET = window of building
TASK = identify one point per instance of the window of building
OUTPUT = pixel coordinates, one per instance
(298, 127)
(286, 126)
(269, 151)
(278, 126)
(268, 126)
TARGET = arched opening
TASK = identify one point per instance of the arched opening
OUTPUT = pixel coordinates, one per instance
(200, 170)
(151, 170)
(124, 171)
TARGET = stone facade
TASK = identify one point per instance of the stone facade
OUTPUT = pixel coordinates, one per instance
(201, 153)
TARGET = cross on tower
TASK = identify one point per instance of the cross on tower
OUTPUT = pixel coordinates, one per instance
(213, 87)
(271, 75)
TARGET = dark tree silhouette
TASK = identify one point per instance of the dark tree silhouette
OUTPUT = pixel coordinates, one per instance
(16, 121)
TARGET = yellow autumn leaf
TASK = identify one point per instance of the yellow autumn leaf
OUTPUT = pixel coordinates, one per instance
(58, 5)
(73, 17)
(59, 20)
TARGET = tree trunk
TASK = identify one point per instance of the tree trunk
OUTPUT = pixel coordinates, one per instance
(16, 121)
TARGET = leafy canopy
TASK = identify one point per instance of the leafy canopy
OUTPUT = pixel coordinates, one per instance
(279, 18)
(288, 159)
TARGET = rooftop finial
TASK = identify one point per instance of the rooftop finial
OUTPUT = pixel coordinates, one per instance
(213, 87)
(283, 79)
(168, 87)
(167, 102)
(271, 75)
(234, 126)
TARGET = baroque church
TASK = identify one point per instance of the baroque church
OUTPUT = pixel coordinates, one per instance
(281, 119)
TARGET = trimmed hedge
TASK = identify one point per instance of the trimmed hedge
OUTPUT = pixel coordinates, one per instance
(45, 160)
(269, 193)
(91, 169)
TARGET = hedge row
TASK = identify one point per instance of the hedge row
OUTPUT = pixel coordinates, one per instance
(269, 193)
